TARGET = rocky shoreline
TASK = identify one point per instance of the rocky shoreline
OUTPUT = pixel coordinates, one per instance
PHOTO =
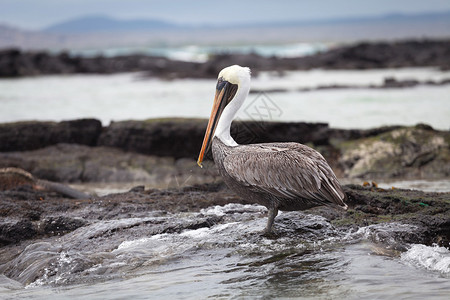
(84, 151)
(410, 53)
(28, 214)
(160, 153)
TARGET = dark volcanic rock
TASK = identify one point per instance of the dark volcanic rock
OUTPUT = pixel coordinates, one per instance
(174, 137)
(429, 212)
(168, 147)
(246, 132)
(61, 224)
(30, 227)
(78, 163)
(14, 62)
(164, 137)
(13, 232)
(385, 55)
(183, 137)
(31, 135)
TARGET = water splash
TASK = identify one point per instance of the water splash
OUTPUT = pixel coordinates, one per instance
(433, 258)
(390, 235)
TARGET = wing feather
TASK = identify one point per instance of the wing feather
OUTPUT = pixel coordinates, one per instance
(287, 170)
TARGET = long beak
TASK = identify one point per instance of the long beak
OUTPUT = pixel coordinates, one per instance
(218, 107)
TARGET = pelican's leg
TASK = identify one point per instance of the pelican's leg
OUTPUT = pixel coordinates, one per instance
(273, 212)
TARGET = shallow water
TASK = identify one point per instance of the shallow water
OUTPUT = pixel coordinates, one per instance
(307, 258)
(441, 186)
(128, 96)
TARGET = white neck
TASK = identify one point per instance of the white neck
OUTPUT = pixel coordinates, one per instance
(224, 125)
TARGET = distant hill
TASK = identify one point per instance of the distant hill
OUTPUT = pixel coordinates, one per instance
(106, 24)
(441, 17)
(90, 24)
(11, 36)
(98, 32)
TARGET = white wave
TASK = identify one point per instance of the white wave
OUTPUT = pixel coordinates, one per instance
(199, 53)
(383, 232)
(433, 258)
(219, 210)
(205, 231)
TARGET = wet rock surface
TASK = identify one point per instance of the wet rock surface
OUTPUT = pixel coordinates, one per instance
(14, 63)
(29, 214)
(430, 212)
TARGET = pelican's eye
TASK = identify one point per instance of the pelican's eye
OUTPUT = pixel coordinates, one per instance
(220, 83)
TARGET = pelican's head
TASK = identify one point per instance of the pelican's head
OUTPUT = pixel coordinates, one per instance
(233, 84)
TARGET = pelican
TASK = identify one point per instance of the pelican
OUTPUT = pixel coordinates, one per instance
(280, 176)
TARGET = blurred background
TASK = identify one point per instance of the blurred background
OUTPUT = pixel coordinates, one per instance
(161, 59)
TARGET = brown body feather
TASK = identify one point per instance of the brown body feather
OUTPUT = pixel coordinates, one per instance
(285, 176)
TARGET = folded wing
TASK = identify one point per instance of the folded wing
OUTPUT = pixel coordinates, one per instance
(285, 170)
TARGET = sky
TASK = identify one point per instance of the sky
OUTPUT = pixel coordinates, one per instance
(38, 14)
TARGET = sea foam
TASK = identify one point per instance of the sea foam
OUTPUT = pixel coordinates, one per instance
(433, 258)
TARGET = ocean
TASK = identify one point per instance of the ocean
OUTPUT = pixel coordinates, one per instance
(133, 96)
(201, 53)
